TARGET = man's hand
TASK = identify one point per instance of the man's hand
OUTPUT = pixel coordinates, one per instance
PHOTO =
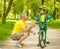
(33, 24)
(29, 28)
(33, 32)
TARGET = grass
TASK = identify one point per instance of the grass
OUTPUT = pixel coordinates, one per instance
(55, 24)
(5, 30)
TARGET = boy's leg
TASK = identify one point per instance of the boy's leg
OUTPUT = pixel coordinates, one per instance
(45, 37)
(45, 34)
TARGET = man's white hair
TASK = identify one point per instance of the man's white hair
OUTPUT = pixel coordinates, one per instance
(23, 14)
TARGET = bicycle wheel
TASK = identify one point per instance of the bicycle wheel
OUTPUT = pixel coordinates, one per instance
(42, 40)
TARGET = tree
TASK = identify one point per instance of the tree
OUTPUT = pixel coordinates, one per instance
(54, 12)
(1, 8)
(42, 2)
(58, 0)
(4, 6)
(32, 5)
(6, 12)
(54, 7)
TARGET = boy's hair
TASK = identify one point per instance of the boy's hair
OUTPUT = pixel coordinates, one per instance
(42, 9)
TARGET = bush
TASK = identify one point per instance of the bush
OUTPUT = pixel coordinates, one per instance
(55, 24)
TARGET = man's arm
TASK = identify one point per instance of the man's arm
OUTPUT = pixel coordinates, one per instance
(25, 29)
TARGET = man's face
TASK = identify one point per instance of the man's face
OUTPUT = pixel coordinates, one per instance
(25, 18)
(42, 11)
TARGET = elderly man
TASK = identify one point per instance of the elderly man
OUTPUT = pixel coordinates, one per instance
(20, 31)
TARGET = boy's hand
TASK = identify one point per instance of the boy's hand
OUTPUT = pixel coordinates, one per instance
(48, 21)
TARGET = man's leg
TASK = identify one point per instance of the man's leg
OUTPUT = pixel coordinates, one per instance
(23, 37)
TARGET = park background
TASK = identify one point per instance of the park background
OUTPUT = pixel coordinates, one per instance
(10, 13)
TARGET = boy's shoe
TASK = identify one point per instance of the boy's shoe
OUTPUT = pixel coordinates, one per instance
(45, 46)
(47, 42)
(18, 45)
(38, 44)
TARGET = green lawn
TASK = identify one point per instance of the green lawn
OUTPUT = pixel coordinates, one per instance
(55, 24)
(5, 30)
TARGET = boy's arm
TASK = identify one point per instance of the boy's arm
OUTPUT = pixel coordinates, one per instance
(49, 19)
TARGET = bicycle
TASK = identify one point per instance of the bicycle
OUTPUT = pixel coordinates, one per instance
(42, 40)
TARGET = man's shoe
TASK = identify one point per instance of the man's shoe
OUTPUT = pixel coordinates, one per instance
(18, 45)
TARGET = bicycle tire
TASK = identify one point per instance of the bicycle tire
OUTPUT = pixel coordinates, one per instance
(41, 40)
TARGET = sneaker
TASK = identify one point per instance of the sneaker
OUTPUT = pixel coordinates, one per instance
(18, 45)
(38, 44)
(47, 42)
(23, 44)
(45, 46)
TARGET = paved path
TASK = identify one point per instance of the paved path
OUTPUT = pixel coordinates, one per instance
(31, 42)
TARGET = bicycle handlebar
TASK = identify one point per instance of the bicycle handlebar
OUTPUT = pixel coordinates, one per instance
(39, 22)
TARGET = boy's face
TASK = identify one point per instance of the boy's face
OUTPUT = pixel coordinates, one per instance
(42, 11)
